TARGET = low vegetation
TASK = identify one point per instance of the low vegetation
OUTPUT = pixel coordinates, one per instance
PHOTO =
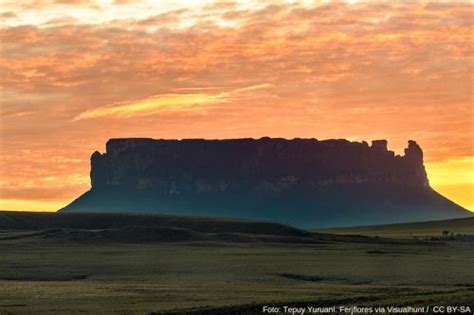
(456, 228)
(51, 269)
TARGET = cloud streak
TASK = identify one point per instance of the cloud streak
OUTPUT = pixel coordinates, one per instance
(153, 105)
(172, 102)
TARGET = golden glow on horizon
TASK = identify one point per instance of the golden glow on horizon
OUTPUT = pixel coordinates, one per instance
(74, 73)
(32, 205)
(451, 178)
(454, 179)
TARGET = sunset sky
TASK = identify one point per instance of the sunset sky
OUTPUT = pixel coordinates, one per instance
(74, 73)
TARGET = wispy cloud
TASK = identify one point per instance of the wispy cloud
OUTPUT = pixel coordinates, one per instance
(152, 105)
(157, 103)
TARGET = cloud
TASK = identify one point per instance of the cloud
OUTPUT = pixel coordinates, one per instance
(8, 15)
(40, 4)
(152, 105)
(157, 103)
(253, 88)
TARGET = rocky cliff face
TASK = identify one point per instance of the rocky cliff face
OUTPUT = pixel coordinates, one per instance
(267, 178)
(266, 164)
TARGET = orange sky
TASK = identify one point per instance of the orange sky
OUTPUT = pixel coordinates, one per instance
(74, 73)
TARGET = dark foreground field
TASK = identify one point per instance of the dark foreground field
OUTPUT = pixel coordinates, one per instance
(89, 263)
(454, 229)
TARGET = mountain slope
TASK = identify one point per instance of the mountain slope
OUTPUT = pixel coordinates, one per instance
(302, 182)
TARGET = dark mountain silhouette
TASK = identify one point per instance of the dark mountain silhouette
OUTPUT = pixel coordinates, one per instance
(304, 182)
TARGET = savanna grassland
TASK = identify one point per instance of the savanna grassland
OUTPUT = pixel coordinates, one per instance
(233, 269)
(455, 228)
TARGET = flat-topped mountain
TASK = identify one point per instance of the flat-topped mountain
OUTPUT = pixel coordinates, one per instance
(304, 182)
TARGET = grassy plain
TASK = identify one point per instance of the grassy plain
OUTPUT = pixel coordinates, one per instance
(416, 229)
(59, 272)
